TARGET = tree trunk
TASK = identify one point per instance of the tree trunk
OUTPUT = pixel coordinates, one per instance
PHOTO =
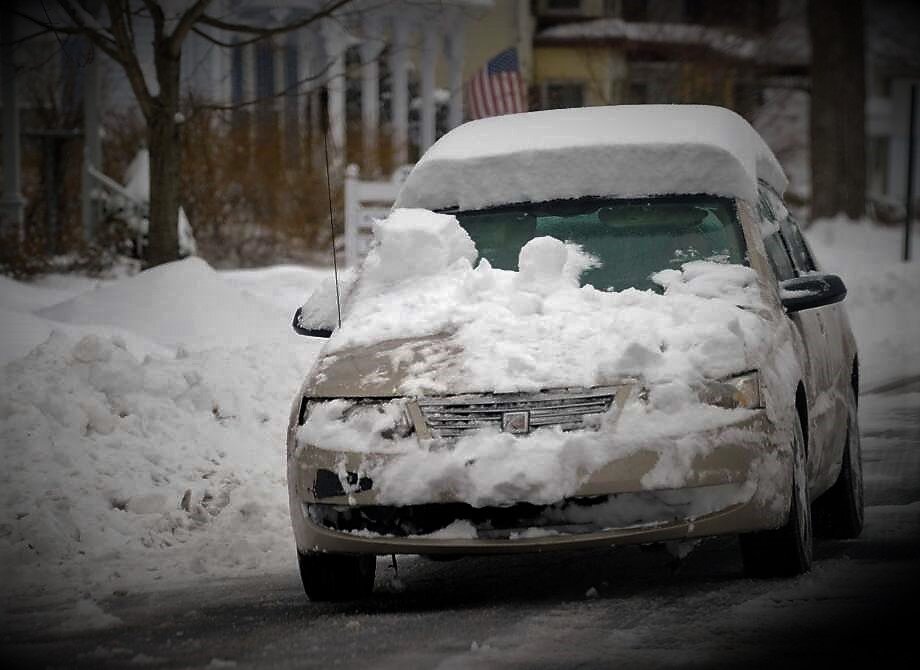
(165, 148)
(838, 117)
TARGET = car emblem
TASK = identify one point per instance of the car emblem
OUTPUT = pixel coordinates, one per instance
(516, 423)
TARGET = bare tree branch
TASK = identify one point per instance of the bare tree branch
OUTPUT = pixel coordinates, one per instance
(156, 15)
(128, 55)
(280, 94)
(103, 41)
(277, 30)
(187, 20)
(30, 36)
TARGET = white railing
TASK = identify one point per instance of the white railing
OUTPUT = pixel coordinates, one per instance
(366, 201)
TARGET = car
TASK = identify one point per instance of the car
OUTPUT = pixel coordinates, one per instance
(578, 328)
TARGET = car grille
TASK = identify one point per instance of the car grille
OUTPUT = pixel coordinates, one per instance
(455, 415)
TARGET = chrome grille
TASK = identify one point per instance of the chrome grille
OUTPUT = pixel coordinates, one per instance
(455, 415)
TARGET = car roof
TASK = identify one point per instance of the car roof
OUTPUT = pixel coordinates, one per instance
(618, 151)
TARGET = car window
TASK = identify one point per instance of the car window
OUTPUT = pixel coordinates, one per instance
(632, 238)
(797, 246)
(776, 204)
(767, 217)
(779, 257)
(771, 210)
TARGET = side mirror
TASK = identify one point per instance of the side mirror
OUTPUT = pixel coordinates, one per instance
(810, 291)
(300, 329)
(319, 316)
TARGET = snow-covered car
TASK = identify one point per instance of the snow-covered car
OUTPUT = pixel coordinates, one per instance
(576, 328)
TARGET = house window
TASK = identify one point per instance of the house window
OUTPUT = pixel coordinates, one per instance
(563, 95)
(694, 11)
(265, 70)
(638, 93)
(567, 6)
(236, 75)
(878, 166)
(635, 10)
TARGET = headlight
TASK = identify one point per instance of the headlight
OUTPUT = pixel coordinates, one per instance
(742, 391)
(386, 418)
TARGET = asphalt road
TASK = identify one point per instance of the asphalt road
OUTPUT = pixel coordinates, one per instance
(598, 608)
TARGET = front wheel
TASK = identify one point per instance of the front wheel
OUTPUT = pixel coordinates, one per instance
(337, 576)
(786, 551)
(839, 511)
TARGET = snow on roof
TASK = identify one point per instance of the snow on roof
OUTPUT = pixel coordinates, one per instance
(659, 33)
(620, 151)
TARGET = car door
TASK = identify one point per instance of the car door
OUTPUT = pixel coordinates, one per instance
(833, 324)
(811, 327)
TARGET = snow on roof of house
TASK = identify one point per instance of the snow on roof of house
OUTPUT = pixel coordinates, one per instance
(619, 151)
(659, 33)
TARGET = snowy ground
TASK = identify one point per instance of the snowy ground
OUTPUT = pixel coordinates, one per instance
(142, 424)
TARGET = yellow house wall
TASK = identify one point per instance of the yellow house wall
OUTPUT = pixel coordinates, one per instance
(589, 9)
(487, 32)
(599, 69)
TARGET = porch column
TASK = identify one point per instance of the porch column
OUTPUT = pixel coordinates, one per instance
(455, 74)
(249, 92)
(429, 60)
(335, 87)
(370, 98)
(92, 143)
(222, 63)
(399, 95)
(308, 96)
(12, 203)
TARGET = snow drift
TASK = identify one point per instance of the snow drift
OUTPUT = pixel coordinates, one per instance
(181, 302)
(127, 460)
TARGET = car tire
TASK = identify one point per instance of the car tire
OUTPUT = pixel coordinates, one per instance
(337, 577)
(839, 512)
(785, 551)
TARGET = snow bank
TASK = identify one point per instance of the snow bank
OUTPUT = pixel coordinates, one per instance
(882, 293)
(121, 469)
(625, 150)
(185, 302)
(115, 466)
(20, 333)
(22, 329)
(22, 297)
(506, 331)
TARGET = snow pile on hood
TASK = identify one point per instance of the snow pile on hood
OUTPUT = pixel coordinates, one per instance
(183, 302)
(624, 150)
(503, 331)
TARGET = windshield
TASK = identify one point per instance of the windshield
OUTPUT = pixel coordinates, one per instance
(632, 239)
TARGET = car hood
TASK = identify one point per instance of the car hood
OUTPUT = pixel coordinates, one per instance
(377, 370)
(437, 365)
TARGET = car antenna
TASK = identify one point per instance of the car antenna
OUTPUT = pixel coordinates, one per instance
(324, 119)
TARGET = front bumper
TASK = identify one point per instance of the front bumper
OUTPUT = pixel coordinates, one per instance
(740, 484)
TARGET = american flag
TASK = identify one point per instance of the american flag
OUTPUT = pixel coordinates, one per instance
(497, 88)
